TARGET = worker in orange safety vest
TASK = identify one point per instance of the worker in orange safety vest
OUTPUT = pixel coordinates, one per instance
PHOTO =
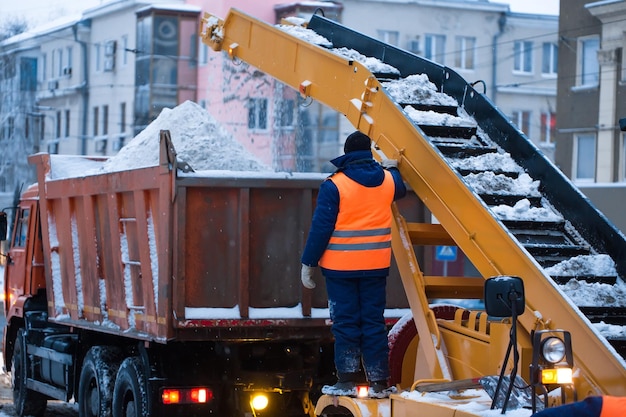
(594, 406)
(350, 239)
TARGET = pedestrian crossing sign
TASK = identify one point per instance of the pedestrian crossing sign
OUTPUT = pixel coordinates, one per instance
(446, 253)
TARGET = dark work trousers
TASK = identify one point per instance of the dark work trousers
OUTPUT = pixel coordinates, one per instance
(357, 307)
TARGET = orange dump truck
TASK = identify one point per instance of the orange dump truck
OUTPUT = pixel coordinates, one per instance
(153, 292)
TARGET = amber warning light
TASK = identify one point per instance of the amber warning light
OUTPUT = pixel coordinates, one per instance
(186, 396)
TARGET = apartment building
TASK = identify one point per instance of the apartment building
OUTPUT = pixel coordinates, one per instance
(105, 75)
(86, 84)
(591, 149)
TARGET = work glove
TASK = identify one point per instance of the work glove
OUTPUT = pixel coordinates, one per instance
(389, 163)
(306, 275)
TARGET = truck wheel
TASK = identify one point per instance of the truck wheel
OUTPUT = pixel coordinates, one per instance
(130, 398)
(97, 378)
(27, 402)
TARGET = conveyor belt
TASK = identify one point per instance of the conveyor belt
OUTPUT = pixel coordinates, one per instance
(429, 155)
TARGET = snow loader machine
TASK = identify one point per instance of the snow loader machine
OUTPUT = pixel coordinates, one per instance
(539, 341)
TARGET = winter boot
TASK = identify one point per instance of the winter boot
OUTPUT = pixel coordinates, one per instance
(346, 385)
(346, 388)
(380, 389)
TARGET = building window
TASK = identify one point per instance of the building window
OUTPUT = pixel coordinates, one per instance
(257, 113)
(435, 47)
(550, 61)
(122, 117)
(285, 117)
(67, 123)
(548, 127)
(60, 62)
(465, 52)
(589, 66)
(203, 53)
(95, 121)
(523, 56)
(53, 147)
(388, 36)
(67, 71)
(105, 120)
(97, 57)
(44, 67)
(58, 125)
(585, 157)
(623, 156)
(413, 45)
(125, 50)
(522, 120)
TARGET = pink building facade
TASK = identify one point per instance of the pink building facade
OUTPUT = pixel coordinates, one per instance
(263, 114)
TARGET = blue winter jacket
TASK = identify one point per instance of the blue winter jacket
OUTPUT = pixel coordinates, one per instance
(362, 168)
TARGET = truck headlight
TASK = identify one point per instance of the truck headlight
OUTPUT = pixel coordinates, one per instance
(553, 349)
(258, 402)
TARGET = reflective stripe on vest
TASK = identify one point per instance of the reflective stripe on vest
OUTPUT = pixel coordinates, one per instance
(362, 236)
(613, 406)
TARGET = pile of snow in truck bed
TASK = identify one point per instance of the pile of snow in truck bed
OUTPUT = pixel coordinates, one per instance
(198, 139)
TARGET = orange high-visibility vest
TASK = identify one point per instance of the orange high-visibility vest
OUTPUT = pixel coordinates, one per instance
(362, 236)
(613, 406)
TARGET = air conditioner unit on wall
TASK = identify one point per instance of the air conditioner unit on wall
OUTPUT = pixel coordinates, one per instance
(53, 85)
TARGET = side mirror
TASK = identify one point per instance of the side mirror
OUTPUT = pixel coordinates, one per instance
(504, 296)
(3, 225)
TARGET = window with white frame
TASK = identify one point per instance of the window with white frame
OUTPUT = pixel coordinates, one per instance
(44, 67)
(549, 62)
(203, 53)
(96, 114)
(388, 36)
(125, 49)
(435, 47)
(624, 157)
(523, 56)
(59, 62)
(96, 56)
(257, 113)
(67, 70)
(67, 123)
(522, 119)
(105, 120)
(585, 157)
(58, 125)
(465, 52)
(589, 67)
(548, 127)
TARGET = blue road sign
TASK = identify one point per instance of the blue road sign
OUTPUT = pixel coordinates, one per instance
(446, 253)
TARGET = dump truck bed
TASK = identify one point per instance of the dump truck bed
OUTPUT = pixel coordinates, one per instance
(158, 254)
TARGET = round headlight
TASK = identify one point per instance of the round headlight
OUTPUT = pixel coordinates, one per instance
(553, 349)
(259, 402)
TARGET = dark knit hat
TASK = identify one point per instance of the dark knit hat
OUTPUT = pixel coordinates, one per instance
(357, 141)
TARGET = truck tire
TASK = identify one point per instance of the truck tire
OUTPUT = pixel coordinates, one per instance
(27, 402)
(97, 379)
(130, 397)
